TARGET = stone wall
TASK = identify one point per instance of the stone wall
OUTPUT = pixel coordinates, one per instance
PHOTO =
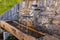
(49, 18)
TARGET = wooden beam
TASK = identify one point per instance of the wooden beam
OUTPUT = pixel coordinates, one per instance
(31, 29)
(14, 31)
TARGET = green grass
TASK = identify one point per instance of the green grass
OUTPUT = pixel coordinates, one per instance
(6, 5)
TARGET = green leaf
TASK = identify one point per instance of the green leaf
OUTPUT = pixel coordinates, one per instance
(7, 4)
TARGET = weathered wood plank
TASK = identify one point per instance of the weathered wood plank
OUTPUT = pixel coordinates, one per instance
(31, 29)
(17, 33)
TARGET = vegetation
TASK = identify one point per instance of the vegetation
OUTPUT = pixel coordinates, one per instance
(6, 5)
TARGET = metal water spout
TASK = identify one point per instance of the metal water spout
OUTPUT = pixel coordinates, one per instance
(35, 10)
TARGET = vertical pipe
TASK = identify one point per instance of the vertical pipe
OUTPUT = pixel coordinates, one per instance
(34, 11)
(34, 16)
